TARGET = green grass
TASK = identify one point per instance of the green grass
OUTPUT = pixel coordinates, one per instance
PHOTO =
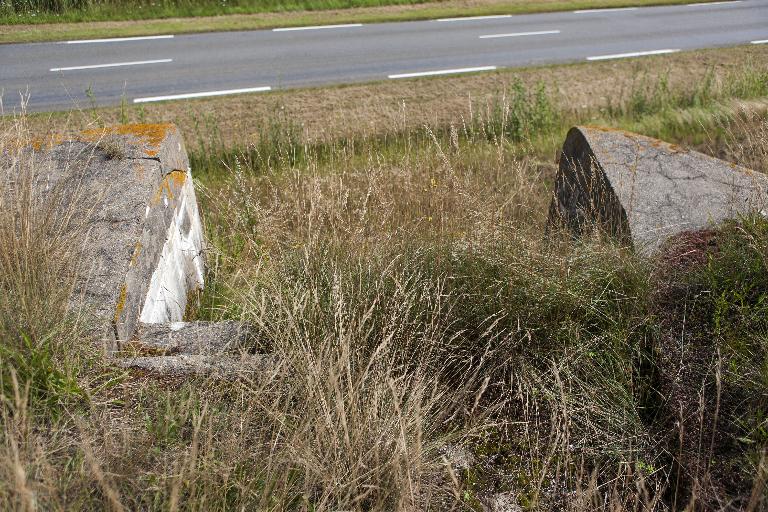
(39, 357)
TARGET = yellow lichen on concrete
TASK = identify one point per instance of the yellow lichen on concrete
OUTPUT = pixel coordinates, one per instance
(120, 303)
(136, 253)
(36, 143)
(177, 177)
(174, 180)
(150, 134)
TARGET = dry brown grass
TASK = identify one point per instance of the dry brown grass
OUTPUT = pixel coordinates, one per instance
(387, 107)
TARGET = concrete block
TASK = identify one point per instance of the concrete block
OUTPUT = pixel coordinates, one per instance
(201, 338)
(204, 365)
(143, 252)
(642, 190)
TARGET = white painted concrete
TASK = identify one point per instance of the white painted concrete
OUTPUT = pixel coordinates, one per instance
(181, 267)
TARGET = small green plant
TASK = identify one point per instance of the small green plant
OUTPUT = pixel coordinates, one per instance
(93, 104)
(520, 114)
(123, 109)
(33, 365)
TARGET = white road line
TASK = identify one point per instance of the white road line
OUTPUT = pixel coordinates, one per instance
(520, 34)
(316, 27)
(760, 41)
(472, 18)
(116, 39)
(113, 65)
(615, 9)
(443, 72)
(632, 54)
(200, 94)
(701, 4)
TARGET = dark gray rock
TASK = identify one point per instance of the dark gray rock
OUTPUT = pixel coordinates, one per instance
(202, 338)
(642, 190)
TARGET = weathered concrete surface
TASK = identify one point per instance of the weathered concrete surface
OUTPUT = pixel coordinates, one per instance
(185, 364)
(201, 338)
(143, 254)
(642, 190)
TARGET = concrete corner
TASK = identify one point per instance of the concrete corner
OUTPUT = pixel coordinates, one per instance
(143, 254)
(641, 190)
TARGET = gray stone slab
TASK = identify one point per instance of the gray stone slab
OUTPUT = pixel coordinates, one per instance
(185, 364)
(642, 190)
(143, 248)
(202, 338)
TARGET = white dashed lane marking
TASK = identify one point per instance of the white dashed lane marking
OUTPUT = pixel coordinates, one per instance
(116, 39)
(317, 27)
(444, 72)
(521, 34)
(113, 65)
(201, 94)
(632, 54)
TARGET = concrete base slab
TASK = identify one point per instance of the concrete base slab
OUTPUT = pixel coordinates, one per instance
(201, 338)
(185, 365)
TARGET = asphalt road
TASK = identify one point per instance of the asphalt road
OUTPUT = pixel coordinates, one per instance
(56, 76)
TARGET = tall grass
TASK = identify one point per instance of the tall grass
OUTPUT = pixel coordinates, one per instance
(415, 311)
(524, 119)
(39, 235)
(518, 115)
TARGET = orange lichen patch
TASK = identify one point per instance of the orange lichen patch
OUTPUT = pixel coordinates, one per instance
(120, 303)
(150, 134)
(36, 143)
(177, 177)
(174, 180)
(49, 142)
